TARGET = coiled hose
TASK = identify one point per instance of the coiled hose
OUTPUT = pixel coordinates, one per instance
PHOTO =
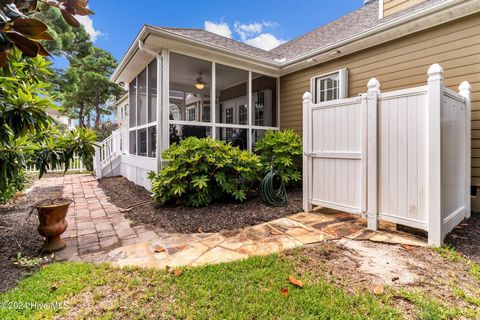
(275, 196)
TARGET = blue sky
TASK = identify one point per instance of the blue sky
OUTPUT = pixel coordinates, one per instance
(264, 23)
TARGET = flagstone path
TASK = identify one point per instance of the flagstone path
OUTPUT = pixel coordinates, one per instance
(99, 232)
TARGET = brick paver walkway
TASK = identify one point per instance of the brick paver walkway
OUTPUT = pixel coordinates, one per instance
(99, 232)
(94, 224)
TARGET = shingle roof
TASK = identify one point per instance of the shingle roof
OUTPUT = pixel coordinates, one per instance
(357, 22)
(215, 39)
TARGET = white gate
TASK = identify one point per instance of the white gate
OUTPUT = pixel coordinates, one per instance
(401, 156)
(335, 143)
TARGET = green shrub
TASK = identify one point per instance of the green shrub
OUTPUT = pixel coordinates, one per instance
(286, 149)
(13, 186)
(202, 171)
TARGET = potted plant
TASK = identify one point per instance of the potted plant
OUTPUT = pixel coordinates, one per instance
(55, 150)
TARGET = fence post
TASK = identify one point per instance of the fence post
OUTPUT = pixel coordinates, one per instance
(434, 169)
(98, 162)
(465, 90)
(307, 160)
(372, 153)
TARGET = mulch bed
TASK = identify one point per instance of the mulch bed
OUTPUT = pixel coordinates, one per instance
(465, 238)
(182, 219)
(19, 234)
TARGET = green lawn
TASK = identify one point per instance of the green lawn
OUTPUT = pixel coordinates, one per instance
(248, 289)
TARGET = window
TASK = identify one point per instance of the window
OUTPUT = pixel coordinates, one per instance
(242, 114)
(125, 112)
(330, 86)
(191, 113)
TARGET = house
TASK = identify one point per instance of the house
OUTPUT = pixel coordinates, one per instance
(121, 107)
(190, 82)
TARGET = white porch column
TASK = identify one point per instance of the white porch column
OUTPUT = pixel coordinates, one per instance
(158, 143)
(465, 90)
(163, 133)
(213, 101)
(307, 160)
(434, 169)
(372, 153)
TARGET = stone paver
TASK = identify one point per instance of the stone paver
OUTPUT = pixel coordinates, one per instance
(99, 232)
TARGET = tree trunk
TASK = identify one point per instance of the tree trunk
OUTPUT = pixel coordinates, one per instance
(81, 117)
(88, 120)
(97, 113)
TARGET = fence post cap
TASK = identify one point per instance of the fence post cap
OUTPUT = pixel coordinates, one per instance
(435, 70)
(307, 96)
(373, 84)
(465, 86)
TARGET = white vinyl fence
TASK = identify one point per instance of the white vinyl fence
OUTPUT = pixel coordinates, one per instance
(401, 156)
(107, 154)
(75, 165)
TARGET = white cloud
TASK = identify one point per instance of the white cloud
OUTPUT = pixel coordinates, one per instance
(87, 23)
(250, 33)
(265, 41)
(221, 28)
(250, 30)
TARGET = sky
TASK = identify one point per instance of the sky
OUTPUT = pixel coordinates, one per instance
(262, 23)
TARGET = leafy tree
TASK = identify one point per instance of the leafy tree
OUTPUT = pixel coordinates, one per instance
(27, 133)
(86, 86)
(19, 29)
(66, 40)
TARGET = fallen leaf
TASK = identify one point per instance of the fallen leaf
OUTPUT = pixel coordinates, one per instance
(395, 279)
(54, 286)
(378, 290)
(177, 273)
(200, 230)
(406, 247)
(295, 282)
(168, 268)
(275, 233)
(159, 249)
(284, 292)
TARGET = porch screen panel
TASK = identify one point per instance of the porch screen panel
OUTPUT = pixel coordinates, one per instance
(264, 101)
(152, 91)
(190, 83)
(132, 93)
(142, 98)
(232, 95)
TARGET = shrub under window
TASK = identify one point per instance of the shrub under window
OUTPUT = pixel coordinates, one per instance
(202, 171)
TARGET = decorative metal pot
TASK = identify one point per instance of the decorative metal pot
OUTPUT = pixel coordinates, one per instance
(52, 214)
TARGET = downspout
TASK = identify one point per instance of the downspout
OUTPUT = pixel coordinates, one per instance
(141, 47)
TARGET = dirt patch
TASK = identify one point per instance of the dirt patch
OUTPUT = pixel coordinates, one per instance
(360, 266)
(465, 238)
(181, 219)
(19, 234)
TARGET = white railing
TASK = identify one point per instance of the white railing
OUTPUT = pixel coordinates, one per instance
(109, 149)
(401, 156)
(75, 165)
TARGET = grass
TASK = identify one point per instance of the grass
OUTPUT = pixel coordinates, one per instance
(247, 289)
(242, 290)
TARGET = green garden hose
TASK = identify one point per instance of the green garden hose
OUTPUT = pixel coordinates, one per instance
(269, 193)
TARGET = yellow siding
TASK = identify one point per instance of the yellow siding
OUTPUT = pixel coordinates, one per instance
(394, 6)
(401, 64)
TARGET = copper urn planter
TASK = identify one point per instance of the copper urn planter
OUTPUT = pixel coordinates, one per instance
(52, 214)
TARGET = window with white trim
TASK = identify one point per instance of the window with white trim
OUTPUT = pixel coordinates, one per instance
(330, 86)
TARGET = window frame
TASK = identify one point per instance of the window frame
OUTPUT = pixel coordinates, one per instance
(342, 75)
